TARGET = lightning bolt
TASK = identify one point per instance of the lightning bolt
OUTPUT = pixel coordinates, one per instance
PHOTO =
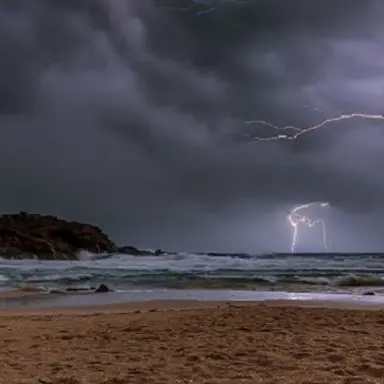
(207, 6)
(297, 132)
(296, 218)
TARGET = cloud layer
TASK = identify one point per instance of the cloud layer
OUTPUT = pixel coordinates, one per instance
(130, 115)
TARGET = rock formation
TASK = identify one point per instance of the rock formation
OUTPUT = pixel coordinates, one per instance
(26, 235)
(129, 250)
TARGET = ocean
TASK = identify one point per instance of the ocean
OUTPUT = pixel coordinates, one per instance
(328, 273)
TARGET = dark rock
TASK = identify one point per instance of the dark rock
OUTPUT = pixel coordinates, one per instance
(25, 235)
(129, 250)
(369, 293)
(102, 288)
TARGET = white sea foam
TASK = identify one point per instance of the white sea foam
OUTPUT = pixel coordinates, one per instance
(3, 279)
(184, 269)
(84, 255)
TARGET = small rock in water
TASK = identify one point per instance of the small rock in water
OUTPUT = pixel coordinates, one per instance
(369, 293)
(103, 288)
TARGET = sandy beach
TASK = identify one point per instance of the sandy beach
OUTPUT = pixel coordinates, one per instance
(193, 342)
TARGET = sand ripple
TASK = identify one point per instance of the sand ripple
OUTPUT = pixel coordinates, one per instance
(227, 343)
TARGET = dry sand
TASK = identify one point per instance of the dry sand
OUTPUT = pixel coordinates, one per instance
(190, 342)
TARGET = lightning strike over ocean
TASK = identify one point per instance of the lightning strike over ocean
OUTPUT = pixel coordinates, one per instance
(303, 131)
(296, 218)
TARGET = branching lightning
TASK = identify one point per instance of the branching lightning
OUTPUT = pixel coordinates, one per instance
(204, 6)
(296, 218)
(297, 132)
(288, 133)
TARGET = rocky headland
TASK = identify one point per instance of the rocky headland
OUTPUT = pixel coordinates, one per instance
(25, 235)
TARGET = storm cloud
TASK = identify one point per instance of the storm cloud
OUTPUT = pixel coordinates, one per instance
(130, 114)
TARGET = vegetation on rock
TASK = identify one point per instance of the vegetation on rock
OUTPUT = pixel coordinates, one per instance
(26, 235)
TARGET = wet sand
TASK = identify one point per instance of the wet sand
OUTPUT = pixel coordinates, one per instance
(193, 342)
(24, 299)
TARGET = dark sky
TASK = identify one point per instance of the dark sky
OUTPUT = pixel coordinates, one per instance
(129, 114)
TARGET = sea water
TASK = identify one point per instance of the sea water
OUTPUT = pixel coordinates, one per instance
(329, 273)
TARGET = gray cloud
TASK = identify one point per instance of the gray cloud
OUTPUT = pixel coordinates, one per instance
(130, 114)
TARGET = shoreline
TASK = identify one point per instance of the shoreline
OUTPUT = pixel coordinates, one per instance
(160, 306)
(34, 301)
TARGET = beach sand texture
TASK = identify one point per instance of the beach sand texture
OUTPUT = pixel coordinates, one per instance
(193, 343)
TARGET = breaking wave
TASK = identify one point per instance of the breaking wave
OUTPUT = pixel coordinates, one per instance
(304, 272)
